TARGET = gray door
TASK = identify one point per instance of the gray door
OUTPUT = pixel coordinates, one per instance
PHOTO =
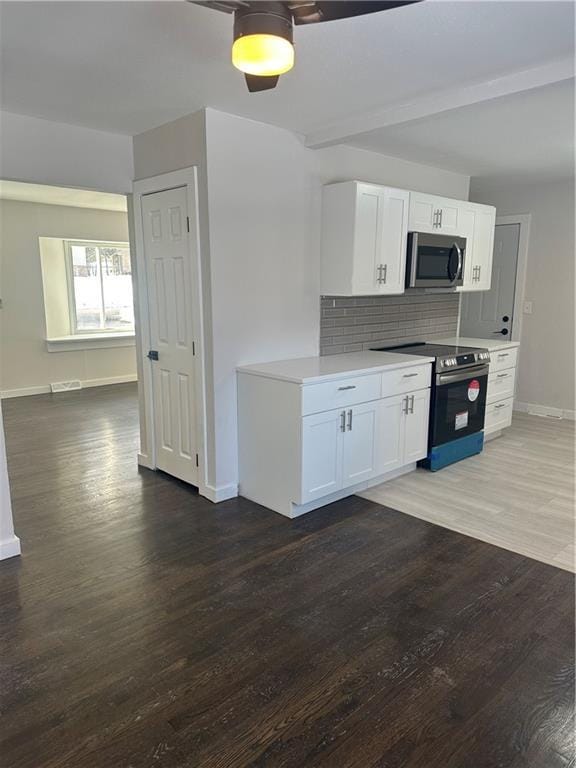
(487, 314)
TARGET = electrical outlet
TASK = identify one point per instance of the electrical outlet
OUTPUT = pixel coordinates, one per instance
(527, 307)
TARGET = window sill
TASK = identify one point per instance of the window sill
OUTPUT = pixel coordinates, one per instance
(90, 341)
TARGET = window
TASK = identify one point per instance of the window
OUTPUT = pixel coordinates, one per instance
(99, 287)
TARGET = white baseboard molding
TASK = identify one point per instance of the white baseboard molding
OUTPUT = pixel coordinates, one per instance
(9, 547)
(544, 410)
(223, 493)
(87, 384)
(144, 461)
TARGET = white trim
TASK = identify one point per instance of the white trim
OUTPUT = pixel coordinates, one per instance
(524, 220)
(439, 101)
(222, 493)
(90, 341)
(44, 389)
(10, 548)
(144, 461)
(187, 177)
(544, 410)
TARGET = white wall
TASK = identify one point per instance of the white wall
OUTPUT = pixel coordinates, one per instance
(264, 270)
(259, 198)
(342, 163)
(546, 368)
(9, 543)
(25, 362)
(44, 152)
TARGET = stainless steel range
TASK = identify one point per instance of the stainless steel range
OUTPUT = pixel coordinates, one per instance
(457, 402)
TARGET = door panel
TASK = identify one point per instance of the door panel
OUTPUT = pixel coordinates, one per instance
(321, 454)
(367, 241)
(359, 444)
(416, 427)
(482, 313)
(422, 210)
(168, 262)
(449, 219)
(390, 429)
(394, 235)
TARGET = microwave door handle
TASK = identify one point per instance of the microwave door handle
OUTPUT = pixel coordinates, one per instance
(460, 261)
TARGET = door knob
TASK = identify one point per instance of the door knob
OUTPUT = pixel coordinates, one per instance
(152, 355)
(503, 332)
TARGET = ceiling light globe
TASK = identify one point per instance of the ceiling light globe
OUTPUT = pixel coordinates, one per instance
(263, 54)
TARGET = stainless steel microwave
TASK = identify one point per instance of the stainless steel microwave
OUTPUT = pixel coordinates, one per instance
(435, 261)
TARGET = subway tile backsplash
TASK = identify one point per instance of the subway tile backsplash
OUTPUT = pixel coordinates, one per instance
(353, 324)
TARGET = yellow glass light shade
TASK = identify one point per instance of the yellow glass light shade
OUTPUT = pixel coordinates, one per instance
(263, 55)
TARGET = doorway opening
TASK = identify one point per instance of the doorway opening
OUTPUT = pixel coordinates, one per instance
(498, 312)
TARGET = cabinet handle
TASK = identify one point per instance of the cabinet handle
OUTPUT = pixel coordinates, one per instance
(435, 219)
(440, 212)
(479, 271)
(384, 272)
(502, 354)
(409, 375)
(502, 375)
(411, 403)
(350, 420)
(405, 405)
(350, 386)
(501, 405)
(343, 421)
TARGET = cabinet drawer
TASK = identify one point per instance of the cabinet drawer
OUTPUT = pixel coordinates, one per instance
(500, 385)
(498, 415)
(506, 358)
(340, 393)
(406, 380)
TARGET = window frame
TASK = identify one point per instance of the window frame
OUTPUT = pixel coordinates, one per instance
(74, 330)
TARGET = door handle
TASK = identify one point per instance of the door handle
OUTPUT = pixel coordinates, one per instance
(152, 355)
(503, 332)
(343, 421)
(350, 420)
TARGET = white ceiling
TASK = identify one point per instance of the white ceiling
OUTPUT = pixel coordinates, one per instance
(527, 134)
(77, 198)
(126, 67)
(129, 66)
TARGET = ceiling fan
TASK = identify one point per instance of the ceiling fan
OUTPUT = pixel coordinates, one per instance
(263, 41)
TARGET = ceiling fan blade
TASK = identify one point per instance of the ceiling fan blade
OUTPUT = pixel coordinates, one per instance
(257, 83)
(306, 12)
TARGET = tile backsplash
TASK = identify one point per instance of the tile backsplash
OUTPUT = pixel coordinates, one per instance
(353, 324)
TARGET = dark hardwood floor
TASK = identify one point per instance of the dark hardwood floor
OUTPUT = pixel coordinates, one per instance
(144, 626)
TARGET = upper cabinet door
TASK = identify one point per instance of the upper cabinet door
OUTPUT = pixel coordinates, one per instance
(484, 226)
(364, 232)
(479, 232)
(431, 213)
(423, 213)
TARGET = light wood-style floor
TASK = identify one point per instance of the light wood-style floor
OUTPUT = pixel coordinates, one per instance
(517, 494)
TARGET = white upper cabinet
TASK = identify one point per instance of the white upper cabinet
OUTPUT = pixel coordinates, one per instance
(430, 213)
(480, 221)
(364, 232)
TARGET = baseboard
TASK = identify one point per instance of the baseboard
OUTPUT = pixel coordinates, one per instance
(144, 461)
(544, 410)
(87, 384)
(110, 380)
(223, 493)
(9, 547)
(25, 391)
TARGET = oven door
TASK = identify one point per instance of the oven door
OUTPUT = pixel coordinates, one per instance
(435, 261)
(458, 405)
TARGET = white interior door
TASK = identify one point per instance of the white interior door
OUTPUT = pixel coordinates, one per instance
(170, 289)
(488, 314)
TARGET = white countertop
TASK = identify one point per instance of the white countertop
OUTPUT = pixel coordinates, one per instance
(309, 370)
(492, 345)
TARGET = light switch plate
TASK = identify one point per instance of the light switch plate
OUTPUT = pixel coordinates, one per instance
(527, 307)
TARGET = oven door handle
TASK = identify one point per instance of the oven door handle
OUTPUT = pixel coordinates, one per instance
(467, 373)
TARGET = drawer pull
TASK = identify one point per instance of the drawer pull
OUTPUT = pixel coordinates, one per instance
(409, 375)
(350, 386)
(501, 405)
(502, 375)
(503, 354)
